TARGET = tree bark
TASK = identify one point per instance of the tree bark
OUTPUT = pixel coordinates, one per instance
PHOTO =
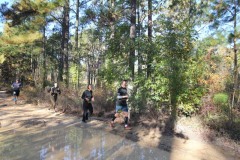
(76, 41)
(64, 44)
(150, 24)
(132, 37)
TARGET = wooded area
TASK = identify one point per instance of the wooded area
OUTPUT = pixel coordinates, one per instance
(162, 47)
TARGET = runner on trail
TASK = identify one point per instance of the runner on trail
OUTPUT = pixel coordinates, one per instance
(121, 105)
(55, 91)
(87, 97)
(16, 90)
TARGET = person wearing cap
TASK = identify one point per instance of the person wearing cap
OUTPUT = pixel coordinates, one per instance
(55, 91)
(16, 90)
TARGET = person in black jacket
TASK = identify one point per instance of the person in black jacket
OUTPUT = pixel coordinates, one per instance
(55, 91)
(121, 105)
(87, 97)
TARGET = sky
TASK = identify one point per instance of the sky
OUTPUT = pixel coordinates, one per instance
(1, 2)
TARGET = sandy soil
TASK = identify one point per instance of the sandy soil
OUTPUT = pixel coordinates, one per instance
(187, 142)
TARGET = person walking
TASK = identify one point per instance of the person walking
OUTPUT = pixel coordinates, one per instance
(87, 97)
(16, 90)
(54, 92)
(121, 105)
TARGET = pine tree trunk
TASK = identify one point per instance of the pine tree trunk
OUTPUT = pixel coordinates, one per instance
(76, 41)
(235, 70)
(149, 55)
(44, 74)
(64, 44)
(132, 37)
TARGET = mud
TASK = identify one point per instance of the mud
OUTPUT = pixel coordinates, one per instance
(31, 131)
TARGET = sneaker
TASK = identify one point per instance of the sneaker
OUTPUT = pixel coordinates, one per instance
(127, 128)
(111, 124)
(84, 121)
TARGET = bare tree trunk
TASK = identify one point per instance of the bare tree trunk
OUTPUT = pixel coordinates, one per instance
(76, 41)
(66, 51)
(150, 24)
(44, 74)
(235, 74)
(132, 37)
(64, 43)
(139, 35)
(88, 71)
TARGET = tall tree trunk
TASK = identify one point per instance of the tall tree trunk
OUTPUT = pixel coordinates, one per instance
(76, 41)
(88, 71)
(44, 72)
(150, 24)
(139, 56)
(65, 38)
(235, 74)
(132, 37)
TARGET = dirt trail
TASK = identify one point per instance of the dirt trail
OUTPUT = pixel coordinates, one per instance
(23, 117)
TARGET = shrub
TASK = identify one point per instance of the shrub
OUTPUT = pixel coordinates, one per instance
(221, 101)
(187, 109)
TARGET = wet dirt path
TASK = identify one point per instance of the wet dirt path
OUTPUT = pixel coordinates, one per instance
(33, 132)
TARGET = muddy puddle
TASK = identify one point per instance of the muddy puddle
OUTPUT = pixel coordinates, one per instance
(72, 143)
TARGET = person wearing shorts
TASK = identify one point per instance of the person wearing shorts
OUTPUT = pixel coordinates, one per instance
(121, 105)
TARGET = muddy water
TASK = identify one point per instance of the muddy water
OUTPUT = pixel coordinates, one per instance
(72, 143)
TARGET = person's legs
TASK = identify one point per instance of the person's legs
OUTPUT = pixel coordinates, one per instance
(89, 110)
(55, 102)
(125, 111)
(84, 112)
(15, 95)
(90, 107)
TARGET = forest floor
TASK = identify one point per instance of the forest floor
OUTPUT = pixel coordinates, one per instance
(190, 140)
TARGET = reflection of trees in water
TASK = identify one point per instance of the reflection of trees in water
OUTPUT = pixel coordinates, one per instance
(70, 143)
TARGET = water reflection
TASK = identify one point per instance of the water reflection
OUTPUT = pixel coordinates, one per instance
(74, 143)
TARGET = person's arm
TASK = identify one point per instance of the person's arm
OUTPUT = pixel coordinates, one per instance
(92, 98)
(59, 91)
(51, 90)
(84, 96)
(122, 97)
(119, 97)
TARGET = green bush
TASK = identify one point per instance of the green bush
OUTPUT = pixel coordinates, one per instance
(221, 101)
(186, 109)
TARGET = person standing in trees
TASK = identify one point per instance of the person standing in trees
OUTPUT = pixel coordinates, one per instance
(121, 105)
(54, 92)
(16, 90)
(87, 97)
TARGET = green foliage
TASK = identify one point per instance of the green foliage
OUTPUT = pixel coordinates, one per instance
(187, 109)
(221, 100)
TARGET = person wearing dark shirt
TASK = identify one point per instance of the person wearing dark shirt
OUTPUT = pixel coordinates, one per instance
(55, 91)
(87, 97)
(121, 105)
(16, 90)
